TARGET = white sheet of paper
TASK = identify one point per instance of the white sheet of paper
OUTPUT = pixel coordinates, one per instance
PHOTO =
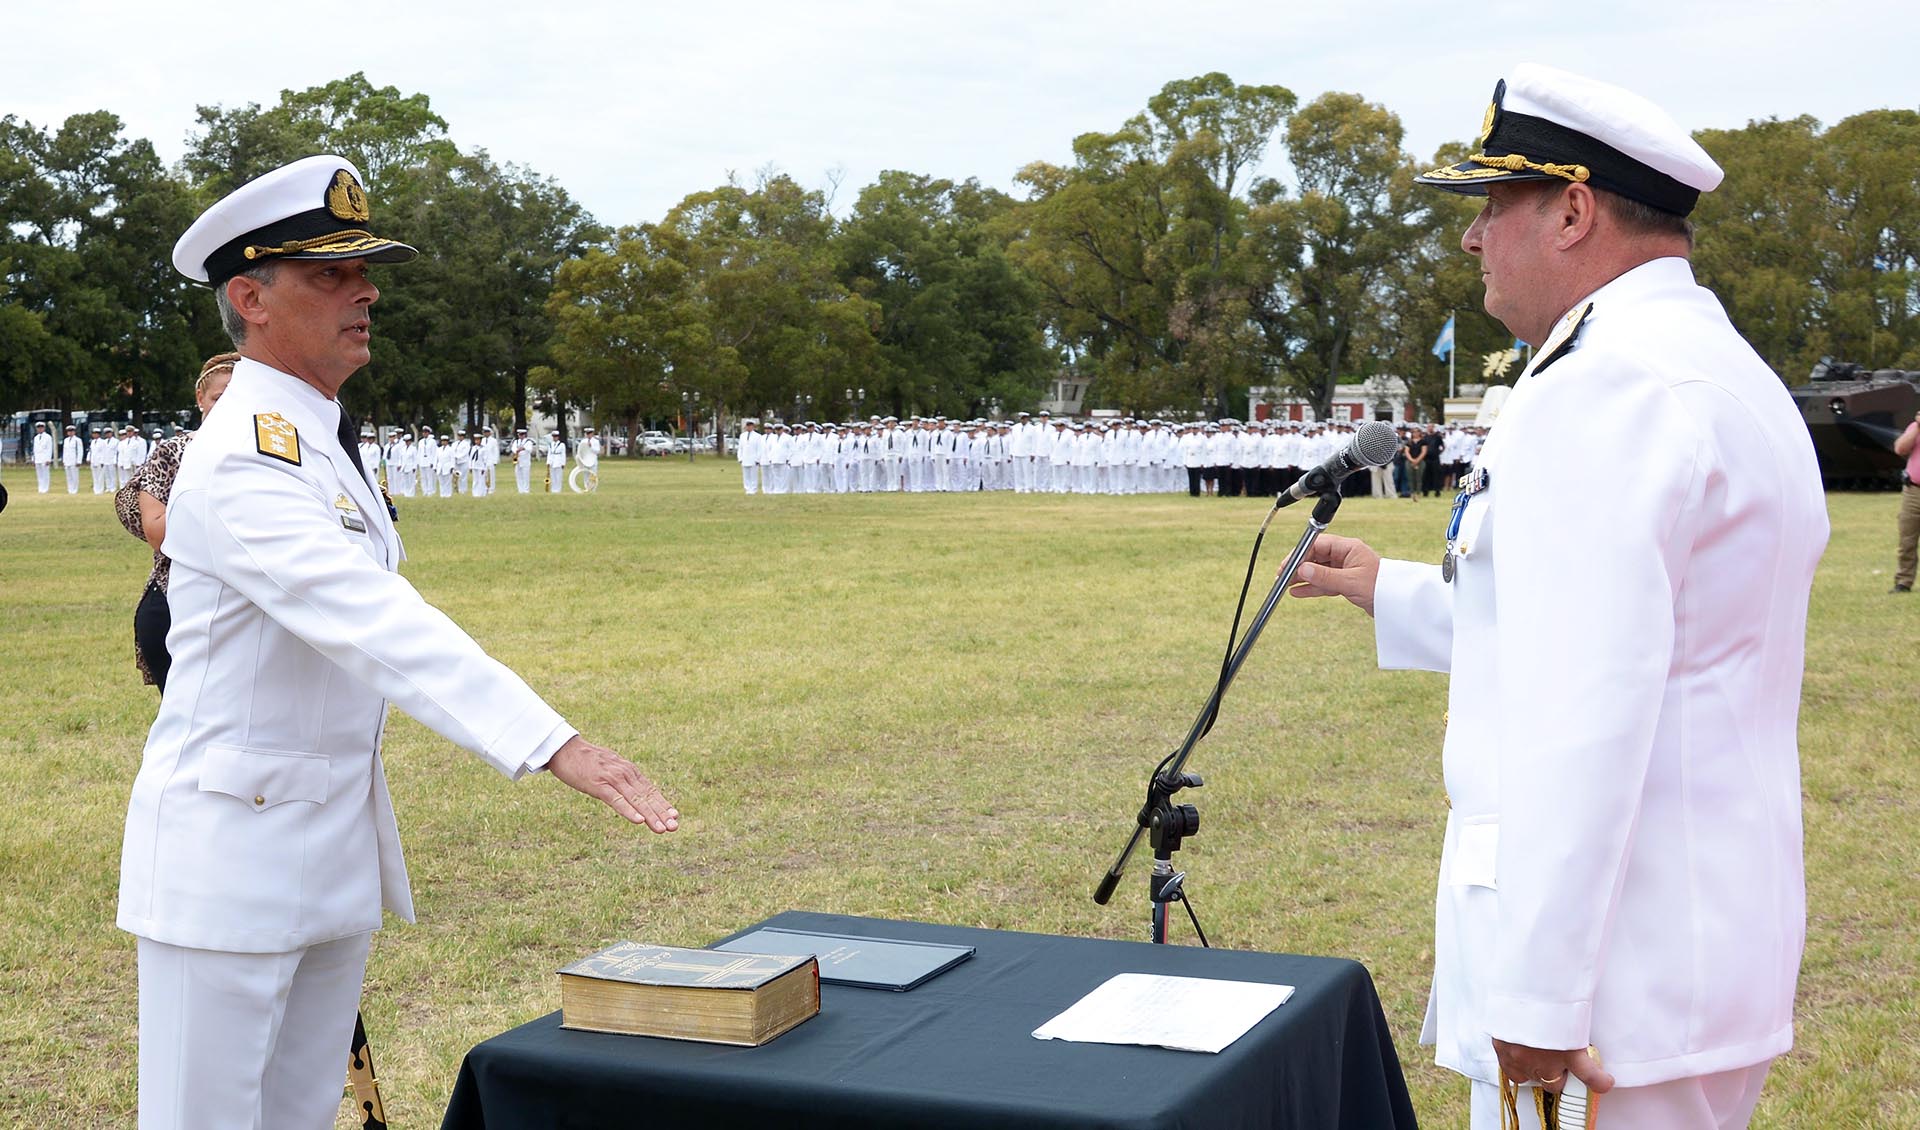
(1190, 1014)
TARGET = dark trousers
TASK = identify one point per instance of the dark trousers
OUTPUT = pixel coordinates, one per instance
(150, 623)
(1193, 481)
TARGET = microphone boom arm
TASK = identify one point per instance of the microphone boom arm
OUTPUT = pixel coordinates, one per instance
(1165, 783)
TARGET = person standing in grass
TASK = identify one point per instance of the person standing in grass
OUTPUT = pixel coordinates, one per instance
(141, 503)
(1906, 556)
(261, 846)
(1622, 869)
(522, 461)
(42, 455)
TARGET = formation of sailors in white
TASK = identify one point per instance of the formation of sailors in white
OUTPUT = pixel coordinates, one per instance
(1045, 454)
(110, 455)
(440, 465)
(450, 464)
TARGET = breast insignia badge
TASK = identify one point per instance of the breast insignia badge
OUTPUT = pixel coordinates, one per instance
(349, 514)
(273, 436)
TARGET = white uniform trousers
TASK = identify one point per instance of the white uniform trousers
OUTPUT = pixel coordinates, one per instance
(523, 478)
(100, 476)
(556, 479)
(246, 1041)
(750, 478)
(73, 478)
(1722, 1101)
(43, 475)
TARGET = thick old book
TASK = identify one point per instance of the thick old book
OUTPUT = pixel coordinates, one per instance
(687, 994)
(870, 963)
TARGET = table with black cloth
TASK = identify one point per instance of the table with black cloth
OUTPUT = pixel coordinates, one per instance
(958, 1051)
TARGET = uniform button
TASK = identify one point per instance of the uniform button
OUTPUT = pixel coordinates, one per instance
(259, 800)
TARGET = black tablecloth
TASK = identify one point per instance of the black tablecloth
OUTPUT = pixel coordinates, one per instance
(958, 1052)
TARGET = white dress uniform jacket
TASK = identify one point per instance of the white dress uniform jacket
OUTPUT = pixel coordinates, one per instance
(260, 820)
(1622, 864)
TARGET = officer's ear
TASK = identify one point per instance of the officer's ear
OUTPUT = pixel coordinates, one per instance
(1575, 210)
(247, 296)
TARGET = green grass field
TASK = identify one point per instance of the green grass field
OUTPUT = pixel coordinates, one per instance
(920, 706)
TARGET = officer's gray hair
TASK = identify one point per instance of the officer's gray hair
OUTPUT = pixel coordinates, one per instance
(230, 319)
(1645, 219)
(1634, 217)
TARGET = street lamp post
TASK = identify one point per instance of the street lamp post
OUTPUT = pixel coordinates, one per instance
(689, 402)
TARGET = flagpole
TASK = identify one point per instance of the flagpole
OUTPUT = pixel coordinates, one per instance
(1453, 348)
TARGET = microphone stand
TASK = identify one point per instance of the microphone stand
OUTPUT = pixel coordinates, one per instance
(1168, 824)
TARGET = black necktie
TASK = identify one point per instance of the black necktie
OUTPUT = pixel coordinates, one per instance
(350, 441)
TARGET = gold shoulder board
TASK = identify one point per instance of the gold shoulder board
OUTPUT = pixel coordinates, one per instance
(277, 438)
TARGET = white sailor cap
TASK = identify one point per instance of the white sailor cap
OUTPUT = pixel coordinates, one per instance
(1547, 124)
(314, 208)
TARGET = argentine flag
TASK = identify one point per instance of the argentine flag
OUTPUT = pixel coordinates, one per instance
(1443, 345)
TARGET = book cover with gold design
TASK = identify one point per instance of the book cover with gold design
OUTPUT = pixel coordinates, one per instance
(689, 994)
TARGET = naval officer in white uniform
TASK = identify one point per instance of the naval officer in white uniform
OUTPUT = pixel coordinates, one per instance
(1622, 866)
(43, 455)
(522, 461)
(72, 453)
(260, 841)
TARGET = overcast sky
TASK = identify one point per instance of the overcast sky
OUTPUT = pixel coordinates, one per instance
(631, 106)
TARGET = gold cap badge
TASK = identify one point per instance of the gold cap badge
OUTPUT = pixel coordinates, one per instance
(346, 199)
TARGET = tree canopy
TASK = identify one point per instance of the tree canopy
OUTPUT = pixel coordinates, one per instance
(1162, 266)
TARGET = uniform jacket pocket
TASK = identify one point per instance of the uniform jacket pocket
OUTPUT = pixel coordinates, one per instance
(1476, 847)
(264, 778)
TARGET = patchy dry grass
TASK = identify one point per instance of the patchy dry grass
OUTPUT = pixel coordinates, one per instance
(917, 706)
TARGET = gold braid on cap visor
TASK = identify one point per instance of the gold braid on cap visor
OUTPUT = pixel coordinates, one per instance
(1510, 163)
(352, 239)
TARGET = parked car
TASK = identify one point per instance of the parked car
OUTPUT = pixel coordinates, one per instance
(655, 445)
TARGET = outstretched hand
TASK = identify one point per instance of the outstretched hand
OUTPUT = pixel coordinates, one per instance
(1337, 566)
(599, 772)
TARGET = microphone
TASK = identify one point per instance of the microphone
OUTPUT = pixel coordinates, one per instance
(1372, 446)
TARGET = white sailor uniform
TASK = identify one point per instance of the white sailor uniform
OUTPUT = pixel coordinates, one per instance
(1625, 678)
(260, 838)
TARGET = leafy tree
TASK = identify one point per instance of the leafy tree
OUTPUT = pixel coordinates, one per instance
(1871, 260)
(631, 326)
(782, 323)
(955, 314)
(1133, 247)
(1342, 252)
(464, 326)
(1758, 236)
(88, 219)
(380, 130)
(1813, 240)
